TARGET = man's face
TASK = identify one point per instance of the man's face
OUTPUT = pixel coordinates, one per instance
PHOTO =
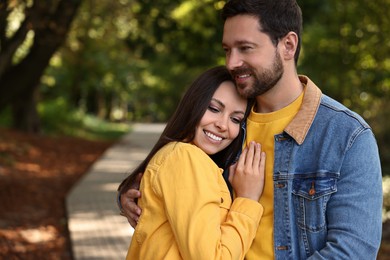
(251, 58)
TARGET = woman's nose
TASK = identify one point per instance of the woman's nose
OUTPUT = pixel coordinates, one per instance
(221, 124)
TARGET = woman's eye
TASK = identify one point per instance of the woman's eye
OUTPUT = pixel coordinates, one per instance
(213, 109)
(236, 120)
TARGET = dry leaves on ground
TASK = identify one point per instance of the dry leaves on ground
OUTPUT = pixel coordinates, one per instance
(36, 173)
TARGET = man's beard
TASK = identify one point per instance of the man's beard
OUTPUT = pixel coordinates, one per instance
(263, 81)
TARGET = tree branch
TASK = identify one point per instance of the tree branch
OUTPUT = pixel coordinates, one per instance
(50, 30)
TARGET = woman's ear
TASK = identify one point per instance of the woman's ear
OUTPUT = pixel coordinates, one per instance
(290, 43)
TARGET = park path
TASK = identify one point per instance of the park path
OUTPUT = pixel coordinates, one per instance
(96, 229)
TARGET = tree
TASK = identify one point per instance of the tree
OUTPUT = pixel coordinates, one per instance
(95, 64)
(139, 53)
(174, 40)
(45, 24)
(346, 51)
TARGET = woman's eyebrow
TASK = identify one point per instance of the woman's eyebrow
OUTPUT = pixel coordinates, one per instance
(223, 105)
(219, 102)
(239, 112)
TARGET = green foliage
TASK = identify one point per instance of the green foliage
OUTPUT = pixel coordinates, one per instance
(137, 56)
(386, 198)
(173, 41)
(346, 52)
(345, 49)
(93, 70)
(59, 119)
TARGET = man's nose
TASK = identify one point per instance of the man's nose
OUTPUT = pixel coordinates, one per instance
(233, 60)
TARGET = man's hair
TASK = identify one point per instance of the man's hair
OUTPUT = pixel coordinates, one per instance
(276, 17)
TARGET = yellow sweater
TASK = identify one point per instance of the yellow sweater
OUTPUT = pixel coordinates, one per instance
(262, 128)
(187, 212)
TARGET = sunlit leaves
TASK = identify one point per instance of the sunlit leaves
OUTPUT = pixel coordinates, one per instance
(24, 48)
(15, 18)
(346, 50)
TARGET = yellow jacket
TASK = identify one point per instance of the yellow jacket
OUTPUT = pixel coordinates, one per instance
(187, 212)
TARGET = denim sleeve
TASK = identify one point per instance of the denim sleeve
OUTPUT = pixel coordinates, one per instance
(354, 212)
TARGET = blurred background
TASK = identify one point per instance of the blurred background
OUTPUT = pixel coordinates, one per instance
(88, 69)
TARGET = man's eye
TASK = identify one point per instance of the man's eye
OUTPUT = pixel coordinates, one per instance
(245, 48)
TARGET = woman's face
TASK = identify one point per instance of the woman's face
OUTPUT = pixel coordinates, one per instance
(220, 123)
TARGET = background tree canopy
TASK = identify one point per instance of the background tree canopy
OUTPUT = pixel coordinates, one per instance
(131, 60)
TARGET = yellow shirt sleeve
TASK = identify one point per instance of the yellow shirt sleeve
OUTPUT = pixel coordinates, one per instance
(191, 187)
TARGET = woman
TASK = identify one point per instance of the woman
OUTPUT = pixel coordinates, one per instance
(187, 212)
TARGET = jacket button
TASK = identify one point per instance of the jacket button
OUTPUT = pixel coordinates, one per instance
(312, 190)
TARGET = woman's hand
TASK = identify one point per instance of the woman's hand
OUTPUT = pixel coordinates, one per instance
(247, 175)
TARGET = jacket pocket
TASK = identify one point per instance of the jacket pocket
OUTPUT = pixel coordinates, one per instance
(311, 195)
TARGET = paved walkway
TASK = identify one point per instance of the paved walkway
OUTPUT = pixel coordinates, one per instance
(96, 229)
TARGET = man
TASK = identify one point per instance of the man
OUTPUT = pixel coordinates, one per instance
(323, 188)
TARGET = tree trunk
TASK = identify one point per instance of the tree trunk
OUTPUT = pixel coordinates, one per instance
(108, 105)
(19, 83)
(25, 115)
(91, 102)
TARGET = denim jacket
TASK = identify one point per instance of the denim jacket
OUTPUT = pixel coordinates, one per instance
(327, 183)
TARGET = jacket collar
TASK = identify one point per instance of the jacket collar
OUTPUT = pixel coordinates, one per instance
(300, 125)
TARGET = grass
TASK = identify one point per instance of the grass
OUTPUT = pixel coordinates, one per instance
(93, 128)
(57, 118)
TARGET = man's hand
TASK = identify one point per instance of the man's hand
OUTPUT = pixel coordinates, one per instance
(128, 201)
(130, 209)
